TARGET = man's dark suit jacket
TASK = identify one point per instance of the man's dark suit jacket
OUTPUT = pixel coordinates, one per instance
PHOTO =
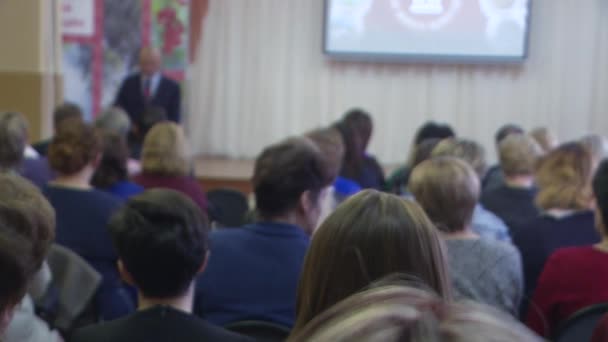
(157, 324)
(130, 97)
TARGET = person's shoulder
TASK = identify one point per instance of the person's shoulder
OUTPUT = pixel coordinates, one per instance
(215, 333)
(169, 80)
(107, 331)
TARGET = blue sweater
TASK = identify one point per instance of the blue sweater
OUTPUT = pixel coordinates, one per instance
(252, 274)
(82, 217)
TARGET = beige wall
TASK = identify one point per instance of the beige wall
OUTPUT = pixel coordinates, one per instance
(29, 64)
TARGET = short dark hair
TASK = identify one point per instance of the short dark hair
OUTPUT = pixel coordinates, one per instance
(66, 111)
(506, 130)
(74, 146)
(600, 191)
(161, 237)
(283, 172)
(433, 130)
(113, 166)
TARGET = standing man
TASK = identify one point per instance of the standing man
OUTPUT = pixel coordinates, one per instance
(149, 88)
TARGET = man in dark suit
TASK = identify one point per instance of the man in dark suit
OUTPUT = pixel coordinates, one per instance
(149, 88)
(161, 238)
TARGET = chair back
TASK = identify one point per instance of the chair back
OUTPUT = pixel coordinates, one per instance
(228, 207)
(580, 326)
(260, 330)
(77, 283)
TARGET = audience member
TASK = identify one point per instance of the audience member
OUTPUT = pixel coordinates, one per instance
(167, 163)
(83, 212)
(545, 138)
(331, 146)
(401, 313)
(149, 118)
(254, 270)
(484, 270)
(565, 197)
(513, 201)
(573, 278)
(356, 129)
(370, 236)
(13, 143)
(64, 112)
(112, 174)
(115, 121)
(161, 239)
(27, 221)
(485, 223)
(494, 176)
(421, 149)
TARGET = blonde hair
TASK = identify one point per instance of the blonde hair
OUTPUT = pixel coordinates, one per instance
(467, 150)
(165, 151)
(518, 154)
(402, 313)
(545, 138)
(448, 190)
(564, 178)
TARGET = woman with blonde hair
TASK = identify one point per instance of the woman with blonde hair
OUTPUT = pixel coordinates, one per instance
(482, 269)
(166, 163)
(368, 237)
(565, 199)
(402, 313)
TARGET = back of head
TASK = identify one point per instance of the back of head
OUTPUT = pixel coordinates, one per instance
(166, 151)
(329, 141)
(24, 211)
(115, 121)
(361, 122)
(467, 150)
(448, 190)
(507, 130)
(65, 112)
(545, 138)
(13, 139)
(401, 313)
(75, 145)
(113, 166)
(423, 151)
(161, 239)
(600, 191)
(368, 237)
(283, 172)
(518, 154)
(564, 177)
(433, 130)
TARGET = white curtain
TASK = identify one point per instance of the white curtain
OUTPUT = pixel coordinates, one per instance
(261, 75)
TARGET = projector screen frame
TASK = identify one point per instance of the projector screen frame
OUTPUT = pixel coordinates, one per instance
(423, 58)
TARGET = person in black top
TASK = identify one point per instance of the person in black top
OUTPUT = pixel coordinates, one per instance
(161, 238)
(513, 200)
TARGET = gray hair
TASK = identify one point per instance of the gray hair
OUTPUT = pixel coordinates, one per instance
(13, 139)
(114, 120)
